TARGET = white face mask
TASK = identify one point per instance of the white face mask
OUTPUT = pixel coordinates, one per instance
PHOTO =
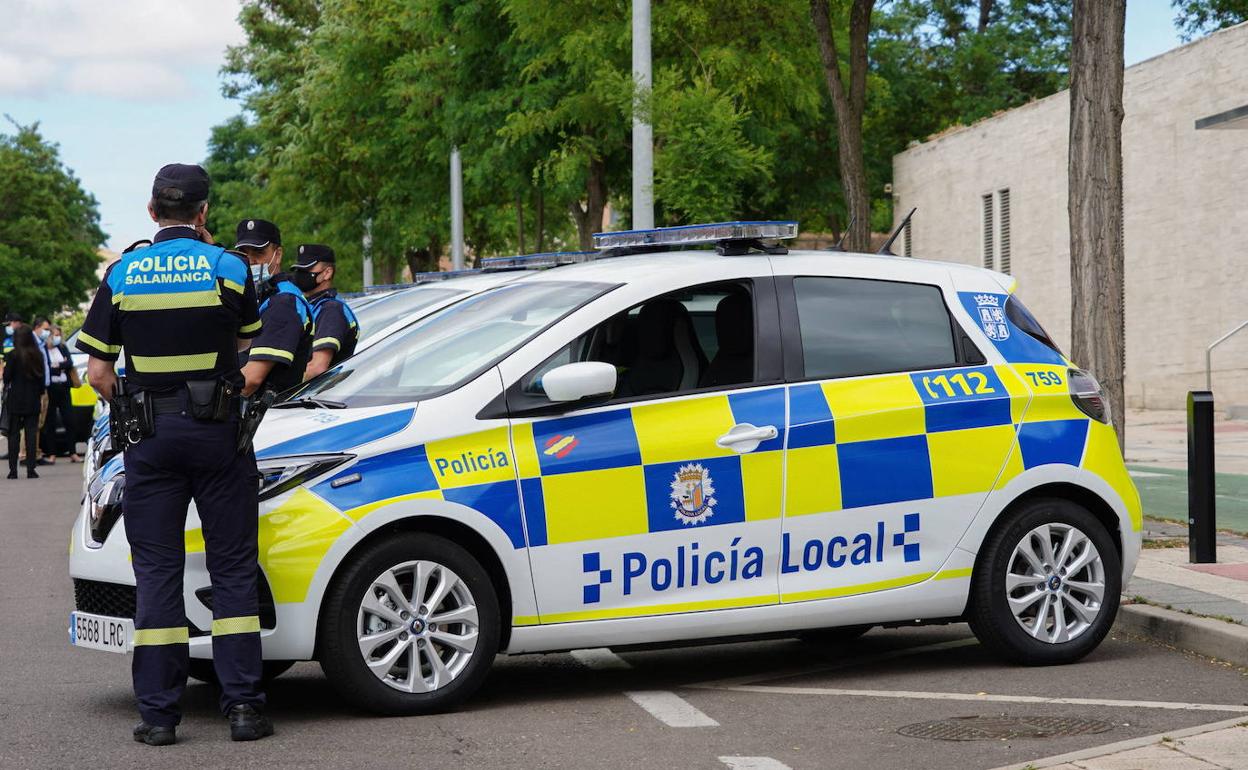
(56, 341)
(12, 329)
(44, 334)
(260, 273)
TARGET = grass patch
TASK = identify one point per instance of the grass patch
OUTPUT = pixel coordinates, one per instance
(1166, 542)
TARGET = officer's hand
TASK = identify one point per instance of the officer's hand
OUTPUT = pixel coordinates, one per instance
(102, 377)
(254, 375)
(204, 235)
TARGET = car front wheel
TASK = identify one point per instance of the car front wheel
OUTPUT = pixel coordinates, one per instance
(410, 627)
(1047, 584)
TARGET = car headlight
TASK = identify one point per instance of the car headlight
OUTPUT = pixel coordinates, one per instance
(105, 505)
(282, 474)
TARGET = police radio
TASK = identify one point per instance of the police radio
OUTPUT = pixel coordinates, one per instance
(128, 418)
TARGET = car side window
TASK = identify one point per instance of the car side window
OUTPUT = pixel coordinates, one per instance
(856, 326)
(701, 337)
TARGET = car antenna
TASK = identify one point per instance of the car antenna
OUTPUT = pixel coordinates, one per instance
(840, 242)
(885, 248)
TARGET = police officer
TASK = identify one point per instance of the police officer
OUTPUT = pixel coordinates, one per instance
(11, 323)
(280, 354)
(337, 330)
(181, 307)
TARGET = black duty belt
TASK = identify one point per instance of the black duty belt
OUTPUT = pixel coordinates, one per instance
(169, 404)
(175, 404)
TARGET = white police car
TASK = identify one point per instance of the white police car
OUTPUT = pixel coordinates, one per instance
(675, 445)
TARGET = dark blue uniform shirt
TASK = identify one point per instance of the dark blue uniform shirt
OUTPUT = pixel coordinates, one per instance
(177, 307)
(286, 336)
(336, 326)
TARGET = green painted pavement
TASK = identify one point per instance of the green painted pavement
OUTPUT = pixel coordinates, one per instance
(1163, 492)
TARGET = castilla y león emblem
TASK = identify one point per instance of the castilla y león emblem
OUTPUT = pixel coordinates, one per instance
(693, 494)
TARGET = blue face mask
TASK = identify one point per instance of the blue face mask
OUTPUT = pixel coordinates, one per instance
(56, 341)
(260, 273)
(44, 334)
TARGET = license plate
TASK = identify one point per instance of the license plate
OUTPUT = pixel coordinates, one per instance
(100, 632)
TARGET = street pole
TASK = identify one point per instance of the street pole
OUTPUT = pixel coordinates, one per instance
(643, 133)
(457, 212)
(368, 252)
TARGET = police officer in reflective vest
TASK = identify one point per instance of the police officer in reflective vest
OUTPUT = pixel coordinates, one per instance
(181, 307)
(336, 330)
(277, 358)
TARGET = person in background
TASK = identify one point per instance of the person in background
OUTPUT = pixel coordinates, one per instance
(42, 329)
(336, 329)
(11, 322)
(24, 389)
(62, 377)
(278, 356)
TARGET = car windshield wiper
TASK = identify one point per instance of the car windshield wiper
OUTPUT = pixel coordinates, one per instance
(310, 402)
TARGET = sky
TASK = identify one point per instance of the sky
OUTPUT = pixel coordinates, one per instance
(125, 86)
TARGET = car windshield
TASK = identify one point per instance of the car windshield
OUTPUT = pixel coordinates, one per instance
(378, 315)
(449, 347)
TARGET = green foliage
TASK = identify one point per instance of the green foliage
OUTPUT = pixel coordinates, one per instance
(351, 108)
(49, 228)
(1196, 18)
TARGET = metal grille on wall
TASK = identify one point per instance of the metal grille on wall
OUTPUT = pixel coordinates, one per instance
(1003, 240)
(987, 231)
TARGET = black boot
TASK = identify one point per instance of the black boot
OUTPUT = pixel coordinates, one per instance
(12, 472)
(30, 473)
(154, 735)
(248, 724)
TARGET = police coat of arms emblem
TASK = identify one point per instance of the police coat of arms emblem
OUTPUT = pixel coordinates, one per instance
(991, 317)
(693, 494)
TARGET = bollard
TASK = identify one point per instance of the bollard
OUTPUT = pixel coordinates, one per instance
(1201, 503)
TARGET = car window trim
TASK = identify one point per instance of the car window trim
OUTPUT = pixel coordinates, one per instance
(791, 332)
(767, 332)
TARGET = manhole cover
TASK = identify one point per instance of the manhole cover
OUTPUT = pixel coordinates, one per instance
(988, 728)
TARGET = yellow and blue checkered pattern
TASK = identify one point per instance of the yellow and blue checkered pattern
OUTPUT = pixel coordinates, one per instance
(850, 443)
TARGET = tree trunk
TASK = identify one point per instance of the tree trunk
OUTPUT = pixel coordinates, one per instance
(848, 105)
(588, 216)
(424, 260)
(1095, 201)
(540, 209)
(985, 15)
(520, 222)
(388, 271)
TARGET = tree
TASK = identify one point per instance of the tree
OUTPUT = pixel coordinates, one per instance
(1095, 199)
(1200, 17)
(49, 228)
(848, 103)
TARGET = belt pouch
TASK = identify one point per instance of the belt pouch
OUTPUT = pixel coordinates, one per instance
(209, 399)
(143, 413)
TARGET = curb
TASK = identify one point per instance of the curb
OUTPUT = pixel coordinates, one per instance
(1205, 636)
(1122, 746)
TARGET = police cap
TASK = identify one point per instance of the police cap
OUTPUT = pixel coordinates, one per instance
(189, 179)
(12, 316)
(257, 233)
(311, 253)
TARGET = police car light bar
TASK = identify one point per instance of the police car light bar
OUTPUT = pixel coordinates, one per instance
(441, 275)
(533, 261)
(696, 234)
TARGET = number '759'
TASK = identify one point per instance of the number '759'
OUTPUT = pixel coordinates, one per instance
(1045, 378)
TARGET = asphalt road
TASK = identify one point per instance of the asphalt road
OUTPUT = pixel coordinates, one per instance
(759, 704)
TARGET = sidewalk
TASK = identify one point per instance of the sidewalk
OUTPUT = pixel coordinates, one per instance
(1156, 456)
(1217, 746)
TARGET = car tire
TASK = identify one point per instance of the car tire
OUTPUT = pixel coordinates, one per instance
(1038, 606)
(836, 635)
(461, 627)
(203, 671)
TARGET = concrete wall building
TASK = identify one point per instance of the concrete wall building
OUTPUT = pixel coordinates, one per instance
(994, 194)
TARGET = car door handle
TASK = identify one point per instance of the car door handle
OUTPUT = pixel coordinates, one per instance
(744, 437)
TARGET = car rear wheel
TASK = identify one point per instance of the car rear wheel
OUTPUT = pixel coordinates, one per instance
(1047, 584)
(410, 627)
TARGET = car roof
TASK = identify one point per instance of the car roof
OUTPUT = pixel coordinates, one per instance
(670, 264)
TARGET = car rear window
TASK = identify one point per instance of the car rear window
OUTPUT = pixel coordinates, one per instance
(855, 326)
(1021, 317)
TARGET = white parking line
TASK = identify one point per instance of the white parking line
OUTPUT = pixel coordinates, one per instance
(988, 698)
(671, 709)
(855, 662)
(600, 658)
(754, 763)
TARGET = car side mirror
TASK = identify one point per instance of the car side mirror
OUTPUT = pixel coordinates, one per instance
(584, 379)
